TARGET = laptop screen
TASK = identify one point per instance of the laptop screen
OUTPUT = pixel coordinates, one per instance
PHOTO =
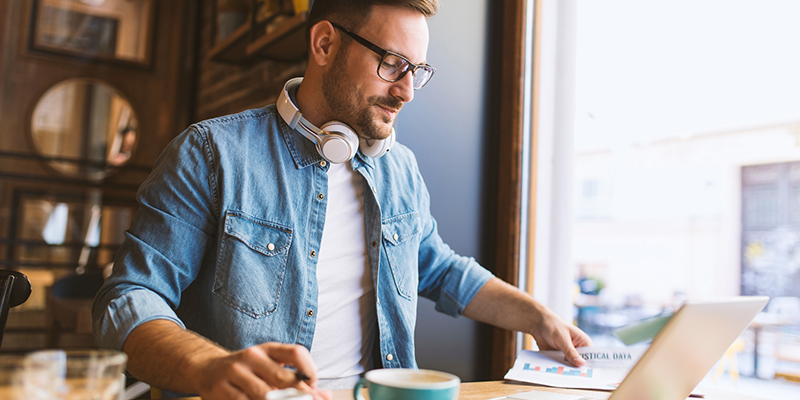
(688, 346)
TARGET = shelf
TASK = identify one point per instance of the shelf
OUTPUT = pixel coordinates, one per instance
(286, 43)
(232, 49)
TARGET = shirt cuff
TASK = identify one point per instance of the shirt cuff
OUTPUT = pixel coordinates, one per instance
(126, 312)
(456, 295)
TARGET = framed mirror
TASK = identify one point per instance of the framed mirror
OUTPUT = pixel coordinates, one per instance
(114, 30)
(84, 128)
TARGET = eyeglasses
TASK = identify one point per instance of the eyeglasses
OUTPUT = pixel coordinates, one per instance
(393, 66)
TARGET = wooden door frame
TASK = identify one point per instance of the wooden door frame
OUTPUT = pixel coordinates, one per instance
(509, 172)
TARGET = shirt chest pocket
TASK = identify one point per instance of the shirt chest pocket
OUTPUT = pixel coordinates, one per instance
(401, 242)
(251, 264)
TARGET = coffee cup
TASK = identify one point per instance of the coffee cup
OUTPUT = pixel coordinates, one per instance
(408, 384)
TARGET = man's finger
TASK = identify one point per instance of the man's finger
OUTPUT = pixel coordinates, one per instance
(243, 378)
(296, 356)
(571, 354)
(580, 338)
(263, 366)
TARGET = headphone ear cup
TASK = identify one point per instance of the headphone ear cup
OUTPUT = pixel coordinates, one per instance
(378, 147)
(338, 143)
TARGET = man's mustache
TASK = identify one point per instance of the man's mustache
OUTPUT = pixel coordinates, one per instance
(388, 102)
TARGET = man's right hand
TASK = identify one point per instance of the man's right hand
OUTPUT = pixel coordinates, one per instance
(252, 372)
(167, 356)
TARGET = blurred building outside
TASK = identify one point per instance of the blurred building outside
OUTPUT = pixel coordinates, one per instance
(695, 216)
(686, 166)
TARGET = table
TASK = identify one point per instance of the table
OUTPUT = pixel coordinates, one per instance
(492, 389)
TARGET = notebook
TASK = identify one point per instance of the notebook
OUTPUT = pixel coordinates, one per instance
(683, 351)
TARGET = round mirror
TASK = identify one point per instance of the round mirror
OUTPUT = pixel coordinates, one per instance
(85, 128)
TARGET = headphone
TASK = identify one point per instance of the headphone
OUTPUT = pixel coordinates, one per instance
(336, 142)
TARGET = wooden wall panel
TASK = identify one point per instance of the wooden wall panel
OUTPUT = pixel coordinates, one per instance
(225, 88)
(161, 95)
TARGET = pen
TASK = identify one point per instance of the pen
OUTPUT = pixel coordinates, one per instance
(300, 376)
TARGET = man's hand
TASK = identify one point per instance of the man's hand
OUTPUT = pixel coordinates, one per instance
(167, 356)
(252, 372)
(552, 333)
(505, 306)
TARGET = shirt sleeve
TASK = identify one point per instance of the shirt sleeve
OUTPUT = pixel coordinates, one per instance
(164, 248)
(450, 280)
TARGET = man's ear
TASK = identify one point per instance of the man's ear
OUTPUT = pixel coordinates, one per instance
(325, 42)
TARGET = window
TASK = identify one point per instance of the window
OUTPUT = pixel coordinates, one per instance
(659, 128)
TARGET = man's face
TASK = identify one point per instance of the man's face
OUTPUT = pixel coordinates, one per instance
(352, 88)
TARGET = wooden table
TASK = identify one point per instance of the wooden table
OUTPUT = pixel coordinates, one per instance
(489, 390)
(492, 389)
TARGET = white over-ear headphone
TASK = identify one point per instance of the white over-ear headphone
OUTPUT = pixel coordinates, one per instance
(335, 141)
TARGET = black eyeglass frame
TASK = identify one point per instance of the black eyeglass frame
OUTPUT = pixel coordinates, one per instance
(383, 53)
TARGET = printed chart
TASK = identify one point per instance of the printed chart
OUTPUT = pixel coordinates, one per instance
(604, 369)
(559, 370)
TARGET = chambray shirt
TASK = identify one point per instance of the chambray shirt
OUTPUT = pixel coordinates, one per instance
(225, 241)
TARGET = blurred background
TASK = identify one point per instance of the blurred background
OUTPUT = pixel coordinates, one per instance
(687, 166)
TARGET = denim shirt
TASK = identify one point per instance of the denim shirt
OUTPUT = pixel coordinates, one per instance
(225, 241)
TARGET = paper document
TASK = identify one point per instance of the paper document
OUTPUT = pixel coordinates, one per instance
(604, 370)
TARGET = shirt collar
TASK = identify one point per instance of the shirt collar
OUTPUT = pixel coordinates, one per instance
(361, 160)
(304, 152)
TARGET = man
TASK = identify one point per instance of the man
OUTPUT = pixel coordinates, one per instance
(251, 251)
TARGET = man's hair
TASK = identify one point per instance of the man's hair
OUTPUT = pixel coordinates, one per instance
(352, 14)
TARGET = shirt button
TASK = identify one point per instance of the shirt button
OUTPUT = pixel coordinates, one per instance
(395, 237)
(322, 163)
(374, 243)
(313, 253)
(321, 196)
(270, 247)
(374, 189)
(389, 357)
(310, 313)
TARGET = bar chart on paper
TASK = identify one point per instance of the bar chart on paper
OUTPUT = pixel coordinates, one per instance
(604, 367)
(559, 371)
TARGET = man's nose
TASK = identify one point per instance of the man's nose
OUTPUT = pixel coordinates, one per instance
(403, 89)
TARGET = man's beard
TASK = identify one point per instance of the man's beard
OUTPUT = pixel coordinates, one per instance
(348, 106)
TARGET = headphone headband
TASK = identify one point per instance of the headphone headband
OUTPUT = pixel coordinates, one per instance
(290, 112)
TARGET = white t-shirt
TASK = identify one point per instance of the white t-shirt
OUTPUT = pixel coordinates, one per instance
(346, 316)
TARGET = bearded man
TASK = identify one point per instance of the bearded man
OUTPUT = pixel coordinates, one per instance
(300, 234)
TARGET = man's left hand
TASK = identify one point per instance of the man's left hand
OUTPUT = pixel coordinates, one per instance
(505, 306)
(552, 333)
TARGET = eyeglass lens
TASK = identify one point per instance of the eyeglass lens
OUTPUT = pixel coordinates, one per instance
(393, 68)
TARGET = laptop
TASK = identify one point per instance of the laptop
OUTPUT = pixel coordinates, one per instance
(682, 352)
